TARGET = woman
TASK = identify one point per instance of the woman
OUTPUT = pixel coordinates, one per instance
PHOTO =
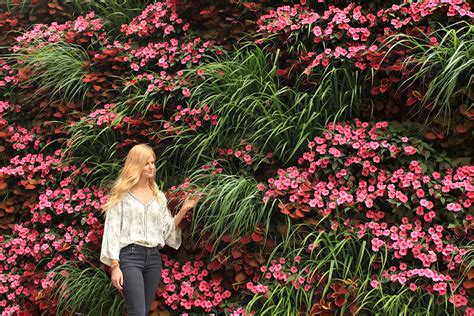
(138, 223)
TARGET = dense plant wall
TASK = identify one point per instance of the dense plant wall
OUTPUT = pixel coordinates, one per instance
(328, 140)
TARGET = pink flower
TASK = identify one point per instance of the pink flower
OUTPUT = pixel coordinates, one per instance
(186, 92)
(410, 150)
(454, 207)
(376, 244)
(458, 300)
(441, 288)
(374, 283)
(317, 31)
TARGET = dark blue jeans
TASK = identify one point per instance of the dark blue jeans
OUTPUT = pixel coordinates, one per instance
(141, 268)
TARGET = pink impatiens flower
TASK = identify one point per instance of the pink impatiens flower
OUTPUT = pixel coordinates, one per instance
(374, 283)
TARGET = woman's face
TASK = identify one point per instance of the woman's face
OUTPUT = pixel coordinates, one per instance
(149, 169)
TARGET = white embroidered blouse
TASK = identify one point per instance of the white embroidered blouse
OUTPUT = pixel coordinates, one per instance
(132, 221)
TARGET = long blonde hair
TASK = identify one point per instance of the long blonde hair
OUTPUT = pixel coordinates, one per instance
(130, 174)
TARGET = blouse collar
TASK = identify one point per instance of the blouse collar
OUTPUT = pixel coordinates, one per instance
(141, 202)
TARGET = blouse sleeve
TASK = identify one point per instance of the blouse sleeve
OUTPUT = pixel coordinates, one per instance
(110, 241)
(172, 234)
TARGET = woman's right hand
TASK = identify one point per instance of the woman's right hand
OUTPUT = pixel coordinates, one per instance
(117, 278)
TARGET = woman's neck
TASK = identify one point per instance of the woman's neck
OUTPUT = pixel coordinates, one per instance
(142, 184)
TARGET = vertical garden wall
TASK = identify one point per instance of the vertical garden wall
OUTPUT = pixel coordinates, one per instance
(331, 142)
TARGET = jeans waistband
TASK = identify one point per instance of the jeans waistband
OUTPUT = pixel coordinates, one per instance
(136, 246)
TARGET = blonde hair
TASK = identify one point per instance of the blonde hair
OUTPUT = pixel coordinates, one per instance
(130, 174)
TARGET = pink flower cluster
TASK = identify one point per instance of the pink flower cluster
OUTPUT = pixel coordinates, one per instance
(161, 81)
(415, 245)
(390, 190)
(4, 107)
(191, 286)
(66, 201)
(84, 29)
(8, 75)
(156, 18)
(347, 33)
(20, 137)
(102, 117)
(247, 153)
(187, 117)
(241, 311)
(7, 110)
(282, 271)
(52, 237)
(214, 167)
(167, 54)
(424, 244)
(168, 50)
(33, 166)
(360, 148)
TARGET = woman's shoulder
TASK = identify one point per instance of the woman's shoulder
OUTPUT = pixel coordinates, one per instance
(161, 194)
(161, 198)
(119, 202)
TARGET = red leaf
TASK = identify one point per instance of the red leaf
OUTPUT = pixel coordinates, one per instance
(257, 237)
(70, 36)
(353, 308)
(214, 265)
(65, 247)
(30, 267)
(250, 260)
(10, 209)
(236, 253)
(339, 289)
(245, 239)
(227, 238)
(375, 90)
(470, 274)
(240, 277)
(411, 101)
(285, 211)
(430, 135)
(154, 305)
(270, 243)
(281, 72)
(111, 51)
(251, 5)
(93, 238)
(299, 214)
(209, 247)
(209, 11)
(30, 186)
(339, 301)
(461, 128)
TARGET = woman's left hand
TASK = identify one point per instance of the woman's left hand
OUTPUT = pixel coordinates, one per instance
(189, 203)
